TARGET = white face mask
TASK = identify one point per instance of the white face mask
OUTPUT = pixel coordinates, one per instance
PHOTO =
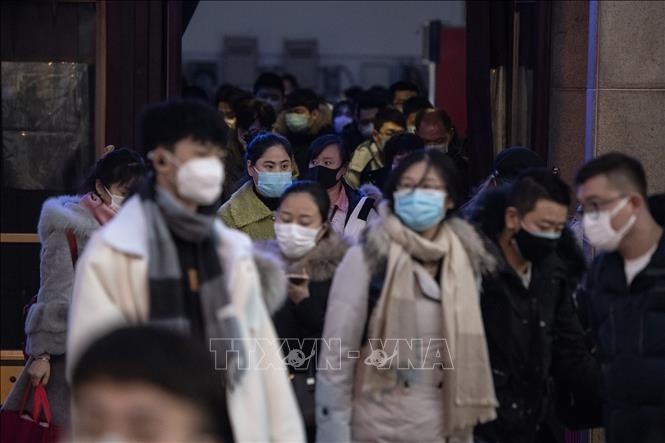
(599, 231)
(200, 179)
(116, 200)
(294, 240)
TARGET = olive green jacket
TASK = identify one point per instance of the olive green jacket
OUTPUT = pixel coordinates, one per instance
(246, 212)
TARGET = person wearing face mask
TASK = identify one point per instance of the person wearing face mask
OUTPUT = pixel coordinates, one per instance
(304, 118)
(65, 226)
(310, 251)
(167, 260)
(342, 115)
(126, 388)
(625, 295)
(367, 162)
(404, 313)
(534, 336)
(251, 209)
(269, 88)
(351, 210)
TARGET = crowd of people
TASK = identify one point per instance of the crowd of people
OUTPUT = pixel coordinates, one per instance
(278, 268)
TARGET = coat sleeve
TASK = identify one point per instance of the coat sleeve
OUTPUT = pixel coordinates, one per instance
(92, 311)
(46, 322)
(357, 164)
(342, 335)
(577, 373)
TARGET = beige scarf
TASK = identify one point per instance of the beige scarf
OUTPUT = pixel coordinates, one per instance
(468, 389)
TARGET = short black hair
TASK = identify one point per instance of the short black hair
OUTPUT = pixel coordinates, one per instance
(415, 104)
(536, 184)
(403, 85)
(166, 123)
(367, 100)
(320, 143)
(401, 144)
(435, 158)
(441, 115)
(195, 93)
(269, 80)
(388, 115)
(262, 142)
(302, 97)
(353, 93)
(145, 354)
(229, 93)
(290, 78)
(118, 166)
(250, 110)
(619, 169)
(315, 190)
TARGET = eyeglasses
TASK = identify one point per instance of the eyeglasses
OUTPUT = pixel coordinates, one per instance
(593, 209)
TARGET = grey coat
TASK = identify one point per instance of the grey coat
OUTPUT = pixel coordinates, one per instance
(46, 323)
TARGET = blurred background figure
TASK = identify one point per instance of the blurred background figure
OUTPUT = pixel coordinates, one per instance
(150, 385)
(400, 92)
(343, 114)
(290, 83)
(269, 88)
(411, 108)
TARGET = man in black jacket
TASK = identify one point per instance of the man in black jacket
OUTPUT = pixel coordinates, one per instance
(534, 337)
(626, 295)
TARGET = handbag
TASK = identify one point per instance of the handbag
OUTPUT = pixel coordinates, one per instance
(21, 427)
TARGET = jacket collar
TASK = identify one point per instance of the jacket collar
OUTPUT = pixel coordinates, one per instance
(246, 207)
(127, 232)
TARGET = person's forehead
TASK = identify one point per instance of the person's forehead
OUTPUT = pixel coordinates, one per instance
(275, 153)
(191, 144)
(330, 151)
(549, 210)
(368, 113)
(265, 90)
(420, 170)
(390, 126)
(300, 202)
(299, 108)
(596, 187)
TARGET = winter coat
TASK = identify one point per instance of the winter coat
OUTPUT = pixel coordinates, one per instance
(246, 212)
(366, 165)
(111, 290)
(534, 335)
(629, 324)
(407, 412)
(46, 323)
(361, 211)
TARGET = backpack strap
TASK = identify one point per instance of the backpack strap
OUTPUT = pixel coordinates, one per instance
(73, 247)
(367, 205)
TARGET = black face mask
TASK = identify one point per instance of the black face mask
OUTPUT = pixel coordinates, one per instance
(325, 176)
(534, 248)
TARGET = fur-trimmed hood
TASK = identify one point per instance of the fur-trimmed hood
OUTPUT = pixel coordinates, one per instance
(320, 263)
(375, 243)
(64, 213)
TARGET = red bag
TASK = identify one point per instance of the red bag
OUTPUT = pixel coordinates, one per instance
(20, 427)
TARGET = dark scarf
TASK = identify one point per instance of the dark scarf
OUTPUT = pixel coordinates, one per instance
(166, 215)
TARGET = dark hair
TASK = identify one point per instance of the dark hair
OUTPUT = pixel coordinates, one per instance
(535, 184)
(441, 115)
(353, 93)
(380, 92)
(435, 158)
(388, 115)
(320, 143)
(315, 190)
(368, 100)
(249, 111)
(195, 93)
(401, 144)
(290, 78)
(229, 93)
(341, 104)
(145, 354)
(511, 162)
(269, 80)
(403, 86)
(619, 169)
(118, 166)
(302, 97)
(166, 123)
(415, 104)
(264, 141)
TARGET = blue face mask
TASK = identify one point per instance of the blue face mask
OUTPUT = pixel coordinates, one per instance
(273, 184)
(420, 209)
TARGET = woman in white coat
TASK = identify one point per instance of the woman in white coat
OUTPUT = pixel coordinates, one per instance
(166, 260)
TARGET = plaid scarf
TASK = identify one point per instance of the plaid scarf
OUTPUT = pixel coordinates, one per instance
(166, 215)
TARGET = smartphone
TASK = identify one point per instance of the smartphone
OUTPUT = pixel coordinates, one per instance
(297, 279)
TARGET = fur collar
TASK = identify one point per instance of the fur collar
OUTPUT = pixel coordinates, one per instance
(375, 244)
(321, 262)
(64, 213)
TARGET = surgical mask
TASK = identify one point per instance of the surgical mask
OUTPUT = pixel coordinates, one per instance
(297, 122)
(294, 240)
(326, 177)
(599, 231)
(231, 122)
(439, 147)
(116, 200)
(199, 179)
(411, 129)
(272, 184)
(366, 130)
(536, 245)
(420, 209)
(341, 121)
